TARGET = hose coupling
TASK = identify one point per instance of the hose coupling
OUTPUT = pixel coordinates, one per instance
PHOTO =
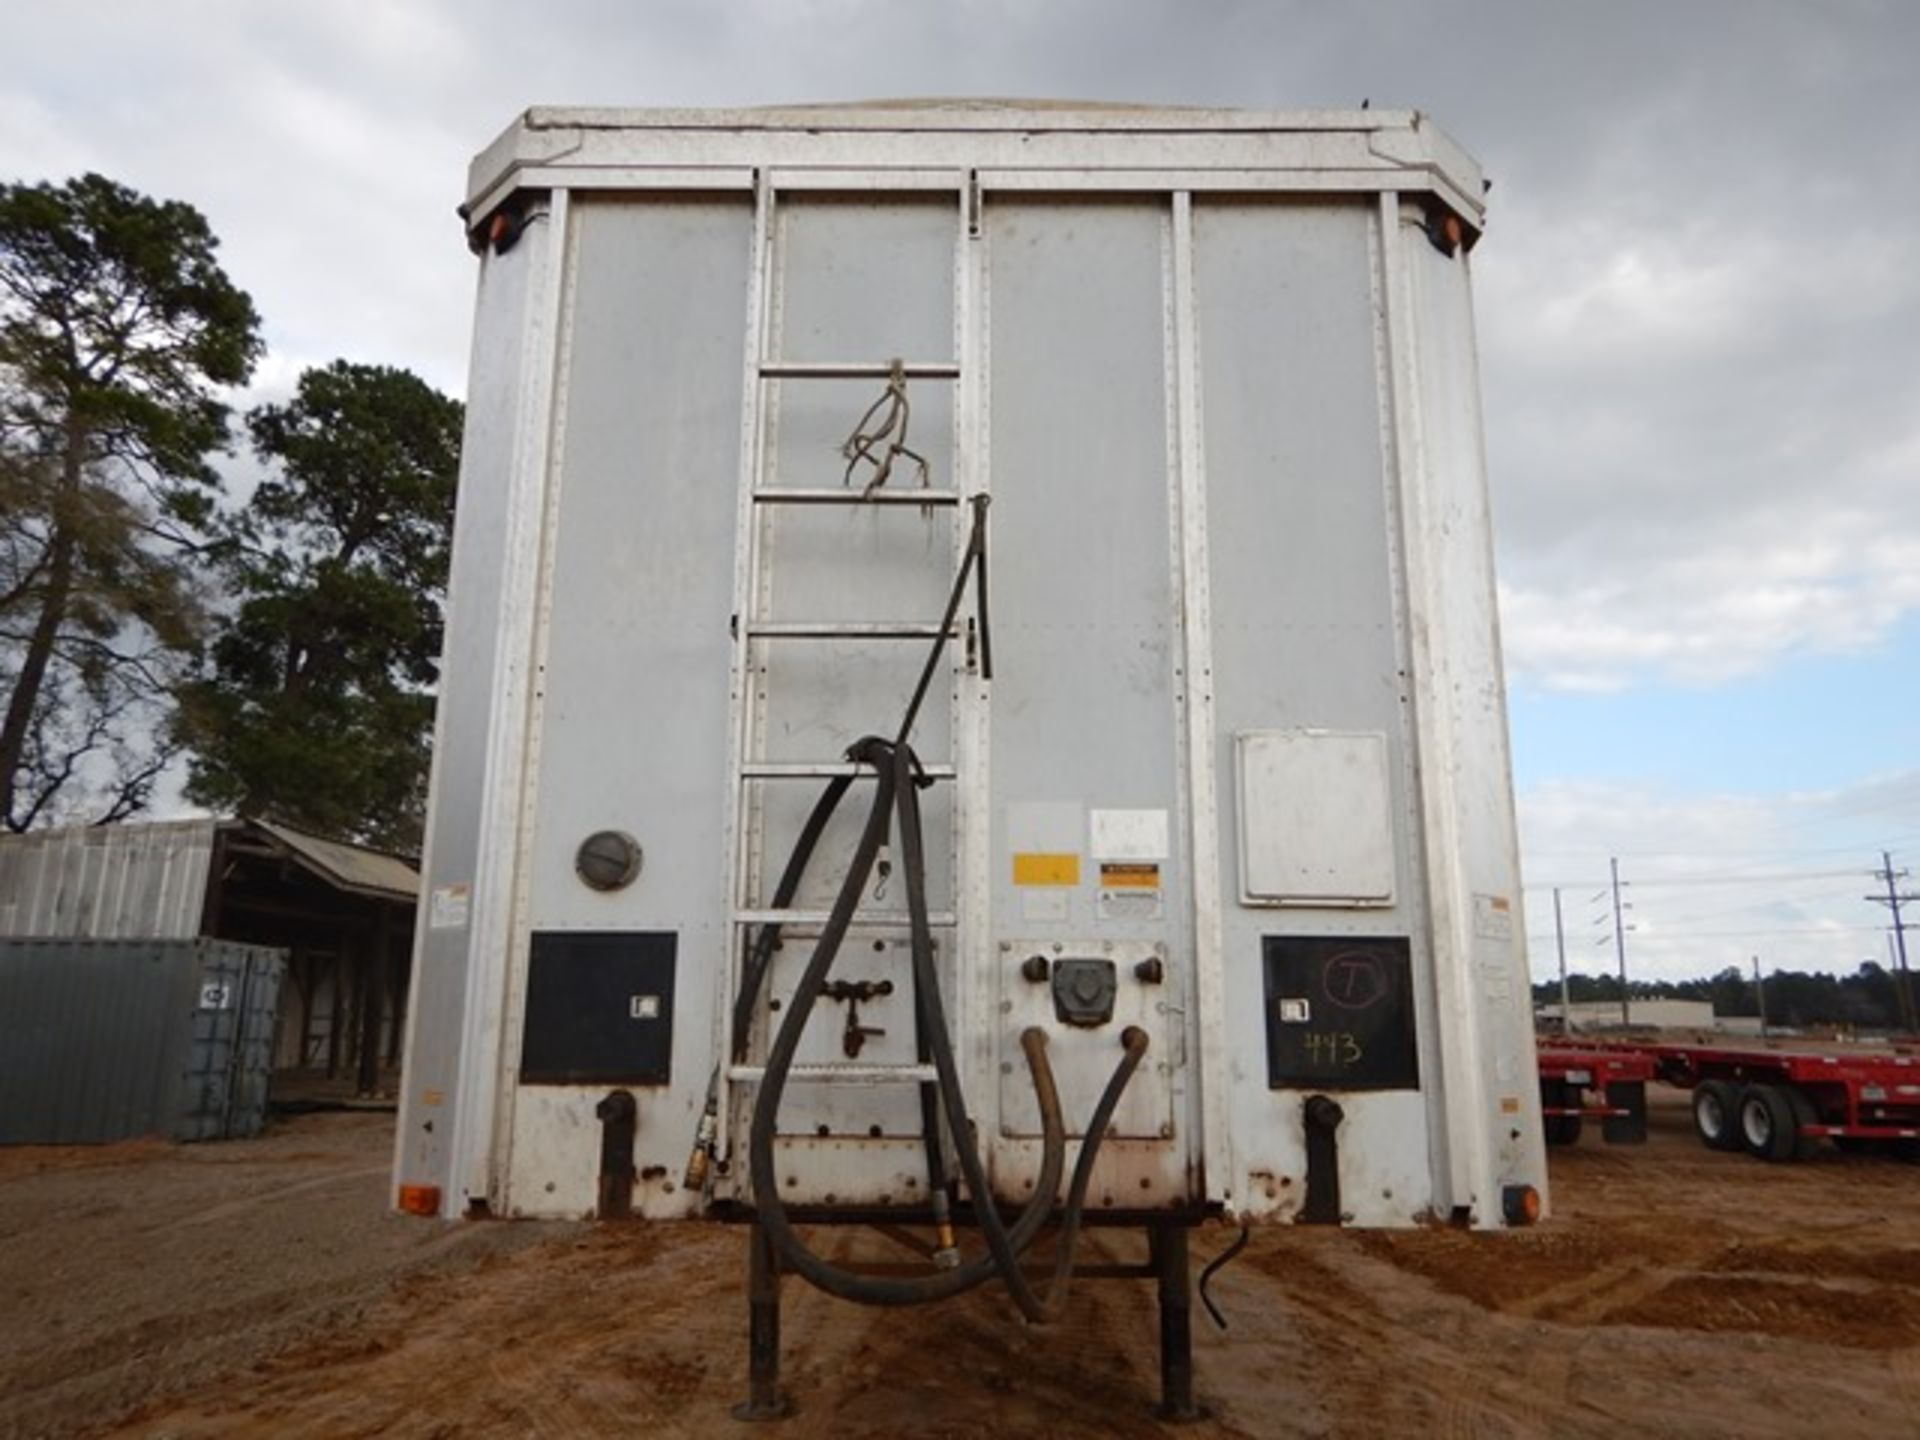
(700, 1161)
(946, 1254)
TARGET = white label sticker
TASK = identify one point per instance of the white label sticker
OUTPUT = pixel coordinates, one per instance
(447, 909)
(1493, 917)
(214, 995)
(644, 1007)
(1496, 981)
(1044, 826)
(1130, 904)
(1128, 834)
(1046, 905)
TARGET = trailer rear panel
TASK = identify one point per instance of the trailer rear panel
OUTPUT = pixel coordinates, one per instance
(1214, 751)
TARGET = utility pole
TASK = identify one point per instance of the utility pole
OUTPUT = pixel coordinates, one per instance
(1760, 990)
(1893, 900)
(1560, 939)
(1619, 940)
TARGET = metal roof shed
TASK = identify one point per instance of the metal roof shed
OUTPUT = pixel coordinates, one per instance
(343, 914)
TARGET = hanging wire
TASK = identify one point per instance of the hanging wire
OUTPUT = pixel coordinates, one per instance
(894, 414)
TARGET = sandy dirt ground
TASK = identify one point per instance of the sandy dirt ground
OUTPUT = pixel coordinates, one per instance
(255, 1290)
(132, 1270)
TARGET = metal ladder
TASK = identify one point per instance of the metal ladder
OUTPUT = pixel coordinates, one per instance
(751, 629)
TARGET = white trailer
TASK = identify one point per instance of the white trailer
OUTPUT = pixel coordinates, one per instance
(1174, 416)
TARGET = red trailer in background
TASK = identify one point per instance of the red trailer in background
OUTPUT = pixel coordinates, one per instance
(1778, 1105)
(1579, 1083)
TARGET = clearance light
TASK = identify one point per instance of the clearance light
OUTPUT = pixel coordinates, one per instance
(1521, 1204)
(420, 1199)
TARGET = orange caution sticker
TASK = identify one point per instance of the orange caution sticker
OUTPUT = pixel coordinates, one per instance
(1045, 868)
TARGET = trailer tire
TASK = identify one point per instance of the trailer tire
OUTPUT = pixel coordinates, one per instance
(1716, 1114)
(1559, 1129)
(1562, 1129)
(1803, 1115)
(1770, 1120)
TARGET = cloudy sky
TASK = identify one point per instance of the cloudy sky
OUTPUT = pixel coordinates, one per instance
(1699, 302)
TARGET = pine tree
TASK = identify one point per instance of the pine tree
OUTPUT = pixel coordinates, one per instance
(118, 329)
(314, 702)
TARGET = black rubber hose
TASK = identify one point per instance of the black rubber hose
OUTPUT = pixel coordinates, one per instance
(937, 1178)
(1005, 1245)
(772, 1212)
(927, 996)
(1218, 1264)
(1133, 1041)
(976, 556)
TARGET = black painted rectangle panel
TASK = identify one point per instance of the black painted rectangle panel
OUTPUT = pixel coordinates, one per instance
(599, 1008)
(1340, 1012)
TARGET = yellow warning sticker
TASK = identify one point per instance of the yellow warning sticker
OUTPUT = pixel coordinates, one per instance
(1129, 875)
(1045, 868)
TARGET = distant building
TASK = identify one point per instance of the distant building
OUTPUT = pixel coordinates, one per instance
(343, 914)
(1657, 1014)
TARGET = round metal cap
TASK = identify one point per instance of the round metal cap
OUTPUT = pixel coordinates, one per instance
(607, 859)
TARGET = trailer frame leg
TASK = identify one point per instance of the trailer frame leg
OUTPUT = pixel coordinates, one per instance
(1167, 1245)
(764, 1400)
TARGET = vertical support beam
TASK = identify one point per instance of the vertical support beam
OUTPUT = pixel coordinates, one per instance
(376, 960)
(480, 1120)
(300, 972)
(336, 991)
(1168, 1244)
(1560, 941)
(216, 891)
(237, 1050)
(737, 848)
(1196, 645)
(546, 538)
(1620, 941)
(402, 974)
(976, 985)
(764, 1400)
(1462, 1144)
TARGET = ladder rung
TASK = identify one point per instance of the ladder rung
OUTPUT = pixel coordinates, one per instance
(869, 919)
(825, 770)
(843, 630)
(843, 1074)
(852, 495)
(858, 369)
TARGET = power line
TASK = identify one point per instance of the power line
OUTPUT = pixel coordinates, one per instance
(1783, 852)
(1658, 936)
(1770, 907)
(1783, 930)
(1672, 881)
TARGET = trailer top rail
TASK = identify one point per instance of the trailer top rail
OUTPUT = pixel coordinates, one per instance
(1594, 1065)
(1675, 1061)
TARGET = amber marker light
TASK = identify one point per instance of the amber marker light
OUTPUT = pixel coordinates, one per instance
(1521, 1204)
(420, 1199)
